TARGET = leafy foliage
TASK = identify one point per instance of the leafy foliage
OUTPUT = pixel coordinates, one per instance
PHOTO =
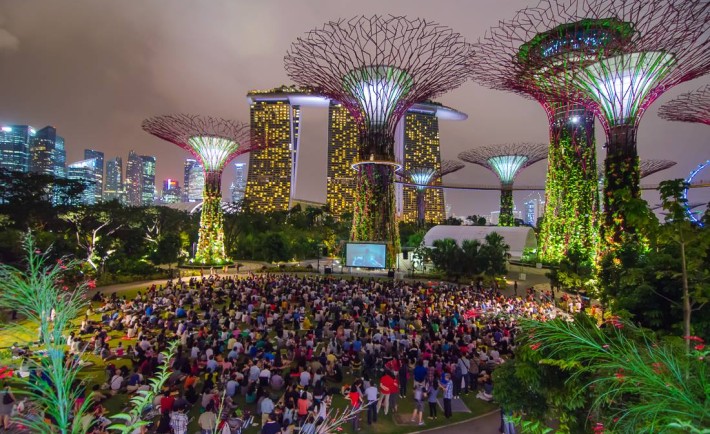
(472, 258)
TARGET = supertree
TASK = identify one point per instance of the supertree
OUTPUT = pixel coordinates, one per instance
(509, 58)
(506, 161)
(425, 177)
(214, 142)
(378, 67)
(689, 107)
(649, 167)
(662, 43)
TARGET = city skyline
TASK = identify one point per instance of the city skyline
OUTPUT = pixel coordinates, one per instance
(120, 85)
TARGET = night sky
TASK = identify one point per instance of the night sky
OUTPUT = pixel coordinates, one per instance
(95, 69)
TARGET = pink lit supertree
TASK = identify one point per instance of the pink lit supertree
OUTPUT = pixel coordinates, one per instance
(689, 107)
(378, 67)
(214, 142)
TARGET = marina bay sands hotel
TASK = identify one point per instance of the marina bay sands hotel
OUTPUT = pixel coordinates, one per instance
(276, 114)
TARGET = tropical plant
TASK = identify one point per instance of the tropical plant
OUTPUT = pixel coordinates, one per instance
(40, 295)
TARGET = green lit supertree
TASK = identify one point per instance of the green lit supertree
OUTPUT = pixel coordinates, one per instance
(214, 142)
(378, 67)
(660, 44)
(425, 177)
(506, 161)
(519, 56)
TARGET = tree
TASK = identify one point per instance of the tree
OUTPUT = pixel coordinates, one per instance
(495, 251)
(476, 220)
(168, 250)
(91, 224)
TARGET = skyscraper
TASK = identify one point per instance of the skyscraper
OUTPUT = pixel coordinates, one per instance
(276, 118)
(240, 182)
(416, 144)
(343, 138)
(113, 188)
(534, 208)
(86, 172)
(193, 182)
(134, 179)
(99, 167)
(15, 147)
(147, 180)
(171, 191)
(47, 154)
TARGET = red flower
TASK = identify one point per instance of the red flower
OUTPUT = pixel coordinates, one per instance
(605, 346)
(694, 338)
(535, 346)
(38, 251)
(91, 284)
(699, 347)
(65, 288)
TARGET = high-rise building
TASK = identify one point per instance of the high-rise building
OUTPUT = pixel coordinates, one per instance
(416, 144)
(86, 172)
(113, 185)
(99, 167)
(343, 139)
(193, 182)
(47, 154)
(148, 180)
(134, 179)
(171, 191)
(421, 149)
(534, 208)
(239, 185)
(15, 147)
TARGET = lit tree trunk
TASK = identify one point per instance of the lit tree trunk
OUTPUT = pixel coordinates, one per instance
(374, 209)
(621, 171)
(571, 220)
(505, 218)
(210, 246)
(421, 206)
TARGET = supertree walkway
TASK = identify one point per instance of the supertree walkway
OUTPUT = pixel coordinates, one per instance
(214, 142)
(378, 67)
(424, 177)
(689, 107)
(506, 161)
(662, 43)
(520, 56)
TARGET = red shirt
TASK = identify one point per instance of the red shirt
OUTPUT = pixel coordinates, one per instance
(166, 404)
(388, 385)
(355, 399)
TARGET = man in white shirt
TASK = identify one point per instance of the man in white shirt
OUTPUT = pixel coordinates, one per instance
(371, 398)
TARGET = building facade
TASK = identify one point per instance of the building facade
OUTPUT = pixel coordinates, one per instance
(193, 181)
(47, 153)
(147, 180)
(134, 176)
(86, 172)
(238, 187)
(113, 184)
(171, 191)
(90, 154)
(343, 139)
(15, 147)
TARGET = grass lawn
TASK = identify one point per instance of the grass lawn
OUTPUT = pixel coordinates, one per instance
(24, 332)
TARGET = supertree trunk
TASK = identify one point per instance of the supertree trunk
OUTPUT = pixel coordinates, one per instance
(421, 206)
(570, 221)
(374, 209)
(505, 218)
(210, 247)
(621, 172)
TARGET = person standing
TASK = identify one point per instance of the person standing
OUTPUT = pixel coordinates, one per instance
(417, 414)
(208, 420)
(371, 395)
(8, 401)
(448, 387)
(432, 389)
(355, 402)
(267, 407)
(178, 422)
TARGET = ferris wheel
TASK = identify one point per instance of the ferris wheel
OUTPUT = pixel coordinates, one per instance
(693, 217)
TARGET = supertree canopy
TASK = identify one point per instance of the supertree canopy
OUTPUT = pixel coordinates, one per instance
(506, 161)
(422, 177)
(520, 56)
(649, 167)
(378, 67)
(214, 142)
(689, 107)
(658, 44)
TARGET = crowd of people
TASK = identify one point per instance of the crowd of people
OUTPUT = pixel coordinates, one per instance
(275, 349)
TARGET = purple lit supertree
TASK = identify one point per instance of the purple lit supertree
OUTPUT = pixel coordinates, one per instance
(506, 161)
(378, 67)
(689, 107)
(659, 44)
(508, 59)
(214, 142)
(424, 177)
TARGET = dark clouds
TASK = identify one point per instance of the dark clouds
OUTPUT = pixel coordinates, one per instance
(96, 68)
